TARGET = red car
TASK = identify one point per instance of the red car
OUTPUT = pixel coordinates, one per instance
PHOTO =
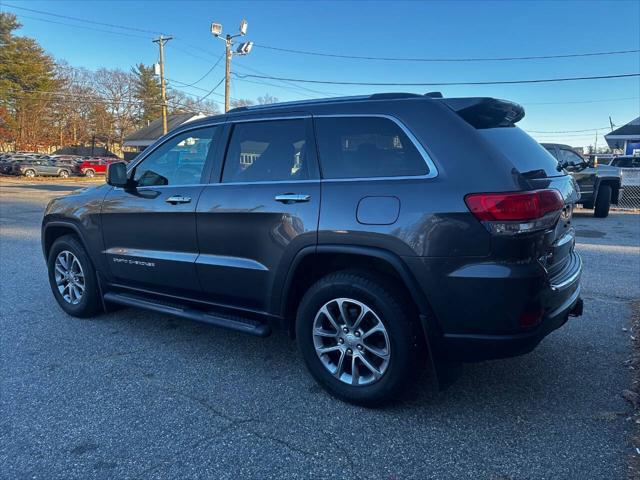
(96, 166)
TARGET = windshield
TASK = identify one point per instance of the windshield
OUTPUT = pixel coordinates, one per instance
(527, 155)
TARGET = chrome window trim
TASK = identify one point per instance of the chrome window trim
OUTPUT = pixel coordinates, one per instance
(433, 170)
(264, 182)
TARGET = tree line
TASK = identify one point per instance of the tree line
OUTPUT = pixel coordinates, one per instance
(47, 104)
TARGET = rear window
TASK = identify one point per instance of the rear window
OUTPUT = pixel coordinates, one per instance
(360, 147)
(528, 156)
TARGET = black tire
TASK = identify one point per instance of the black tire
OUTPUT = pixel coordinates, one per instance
(603, 201)
(89, 173)
(89, 303)
(395, 313)
(63, 173)
(30, 173)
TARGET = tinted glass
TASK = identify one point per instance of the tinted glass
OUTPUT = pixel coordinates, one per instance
(356, 147)
(625, 162)
(179, 161)
(567, 157)
(552, 151)
(527, 155)
(267, 151)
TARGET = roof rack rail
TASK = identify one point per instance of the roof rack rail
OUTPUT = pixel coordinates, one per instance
(385, 96)
(298, 102)
(315, 101)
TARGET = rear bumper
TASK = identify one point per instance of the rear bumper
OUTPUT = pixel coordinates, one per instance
(478, 307)
(474, 348)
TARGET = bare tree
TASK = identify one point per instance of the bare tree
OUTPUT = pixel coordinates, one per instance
(267, 99)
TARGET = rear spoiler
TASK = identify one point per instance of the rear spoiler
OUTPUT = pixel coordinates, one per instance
(486, 112)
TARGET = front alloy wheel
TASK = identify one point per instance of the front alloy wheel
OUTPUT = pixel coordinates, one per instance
(69, 277)
(351, 341)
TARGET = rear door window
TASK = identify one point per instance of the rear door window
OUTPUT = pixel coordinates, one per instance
(267, 151)
(527, 155)
(361, 147)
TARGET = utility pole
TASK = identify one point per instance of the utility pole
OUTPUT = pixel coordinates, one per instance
(227, 73)
(243, 49)
(161, 41)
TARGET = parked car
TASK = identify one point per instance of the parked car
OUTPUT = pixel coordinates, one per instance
(600, 185)
(95, 166)
(9, 164)
(374, 229)
(45, 167)
(626, 161)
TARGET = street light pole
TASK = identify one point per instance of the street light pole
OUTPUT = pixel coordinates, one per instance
(227, 73)
(161, 41)
(243, 49)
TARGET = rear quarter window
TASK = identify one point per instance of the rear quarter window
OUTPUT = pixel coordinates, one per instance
(365, 147)
(526, 155)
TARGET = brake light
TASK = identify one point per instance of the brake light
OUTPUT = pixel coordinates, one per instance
(516, 212)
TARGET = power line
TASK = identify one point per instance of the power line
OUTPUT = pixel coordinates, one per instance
(551, 137)
(93, 29)
(206, 74)
(571, 131)
(91, 99)
(602, 100)
(211, 91)
(77, 19)
(413, 59)
(182, 84)
(436, 84)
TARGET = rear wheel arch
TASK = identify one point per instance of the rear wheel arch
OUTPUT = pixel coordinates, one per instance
(313, 263)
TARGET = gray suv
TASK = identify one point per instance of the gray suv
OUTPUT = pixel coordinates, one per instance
(383, 232)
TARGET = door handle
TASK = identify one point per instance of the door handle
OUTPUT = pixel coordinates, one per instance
(174, 200)
(292, 198)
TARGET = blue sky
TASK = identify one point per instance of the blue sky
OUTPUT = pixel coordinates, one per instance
(387, 29)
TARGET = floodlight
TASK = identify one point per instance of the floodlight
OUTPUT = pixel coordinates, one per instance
(216, 29)
(244, 48)
(243, 27)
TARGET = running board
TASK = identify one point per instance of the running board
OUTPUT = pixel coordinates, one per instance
(239, 324)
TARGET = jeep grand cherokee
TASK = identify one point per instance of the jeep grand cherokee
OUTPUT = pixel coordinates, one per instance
(374, 229)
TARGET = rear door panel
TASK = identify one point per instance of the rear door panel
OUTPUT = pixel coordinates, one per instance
(247, 238)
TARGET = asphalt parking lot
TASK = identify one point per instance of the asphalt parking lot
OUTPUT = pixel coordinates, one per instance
(133, 394)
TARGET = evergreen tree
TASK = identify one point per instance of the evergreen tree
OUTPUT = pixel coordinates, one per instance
(148, 92)
(27, 81)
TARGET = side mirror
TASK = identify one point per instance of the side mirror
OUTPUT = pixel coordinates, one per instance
(117, 174)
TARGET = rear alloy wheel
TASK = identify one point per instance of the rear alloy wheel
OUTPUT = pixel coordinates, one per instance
(603, 201)
(89, 173)
(63, 174)
(351, 341)
(30, 173)
(357, 335)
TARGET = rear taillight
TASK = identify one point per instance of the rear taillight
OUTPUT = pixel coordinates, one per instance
(516, 212)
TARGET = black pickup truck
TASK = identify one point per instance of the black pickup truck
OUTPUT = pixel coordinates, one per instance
(600, 185)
